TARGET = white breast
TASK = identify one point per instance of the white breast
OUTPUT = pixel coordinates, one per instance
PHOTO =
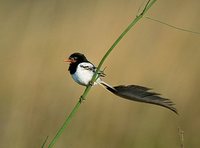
(84, 73)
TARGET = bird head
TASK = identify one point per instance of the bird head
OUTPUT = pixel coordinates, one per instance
(76, 58)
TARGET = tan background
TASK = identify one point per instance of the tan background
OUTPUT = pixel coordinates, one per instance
(37, 92)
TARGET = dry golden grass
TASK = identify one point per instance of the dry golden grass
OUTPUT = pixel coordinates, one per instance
(37, 93)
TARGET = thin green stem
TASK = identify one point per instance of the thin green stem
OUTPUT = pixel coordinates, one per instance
(67, 121)
(83, 97)
(147, 6)
(172, 26)
(44, 142)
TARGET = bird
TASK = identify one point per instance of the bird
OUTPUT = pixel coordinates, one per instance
(83, 70)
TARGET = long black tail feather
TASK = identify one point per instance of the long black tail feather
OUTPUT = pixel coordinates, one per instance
(141, 94)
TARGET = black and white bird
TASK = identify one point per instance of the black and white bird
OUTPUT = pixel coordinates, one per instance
(82, 72)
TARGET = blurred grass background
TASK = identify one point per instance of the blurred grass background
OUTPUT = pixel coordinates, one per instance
(37, 92)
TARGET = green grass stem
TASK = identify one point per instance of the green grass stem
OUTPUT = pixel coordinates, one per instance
(83, 97)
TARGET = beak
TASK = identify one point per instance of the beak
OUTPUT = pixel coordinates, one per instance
(68, 60)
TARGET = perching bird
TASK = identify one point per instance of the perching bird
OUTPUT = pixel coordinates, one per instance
(82, 72)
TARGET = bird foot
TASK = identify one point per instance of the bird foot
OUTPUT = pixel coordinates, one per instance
(91, 83)
(82, 99)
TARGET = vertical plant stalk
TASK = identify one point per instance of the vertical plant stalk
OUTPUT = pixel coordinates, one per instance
(75, 109)
(181, 137)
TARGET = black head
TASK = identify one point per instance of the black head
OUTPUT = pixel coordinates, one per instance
(74, 59)
(77, 57)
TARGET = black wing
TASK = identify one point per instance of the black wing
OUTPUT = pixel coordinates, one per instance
(93, 68)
